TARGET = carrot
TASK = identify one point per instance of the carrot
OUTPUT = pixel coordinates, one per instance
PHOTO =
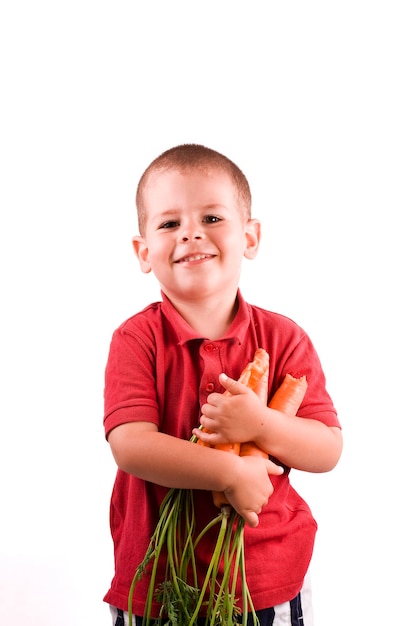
(250, 376)
(249, 448)
(286, 399)
(289, 395)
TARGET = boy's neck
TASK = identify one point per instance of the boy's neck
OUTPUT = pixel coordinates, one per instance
(210, 320)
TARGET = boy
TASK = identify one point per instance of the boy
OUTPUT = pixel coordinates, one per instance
(165, 375)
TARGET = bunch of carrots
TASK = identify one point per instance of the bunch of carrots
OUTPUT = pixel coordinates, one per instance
(180, 598)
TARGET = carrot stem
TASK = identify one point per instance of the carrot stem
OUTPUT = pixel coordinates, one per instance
(189, 548)
(213, 564)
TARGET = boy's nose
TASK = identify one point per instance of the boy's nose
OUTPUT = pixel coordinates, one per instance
(189, 237)
(191, 232)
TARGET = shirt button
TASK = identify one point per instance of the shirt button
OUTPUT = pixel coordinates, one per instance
(209, 347)
(210, 387)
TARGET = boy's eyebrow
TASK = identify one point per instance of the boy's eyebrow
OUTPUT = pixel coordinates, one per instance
(157, 216)
(213, 205)
(166, 212)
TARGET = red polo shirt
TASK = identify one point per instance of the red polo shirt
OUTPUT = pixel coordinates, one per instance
(160, 370)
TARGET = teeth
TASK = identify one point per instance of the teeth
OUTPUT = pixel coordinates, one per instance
(197, 257)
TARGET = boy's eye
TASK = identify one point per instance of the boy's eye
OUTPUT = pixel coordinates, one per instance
(169, 224)
(211, 219)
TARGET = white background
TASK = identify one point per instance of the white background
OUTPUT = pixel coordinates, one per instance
(316, 102)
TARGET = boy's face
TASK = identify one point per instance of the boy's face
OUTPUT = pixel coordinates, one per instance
(195, 236)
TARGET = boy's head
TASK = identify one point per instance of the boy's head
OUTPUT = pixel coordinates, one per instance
(194, 157)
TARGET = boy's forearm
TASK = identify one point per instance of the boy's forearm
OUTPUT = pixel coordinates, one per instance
(301, 443)
(169, 461)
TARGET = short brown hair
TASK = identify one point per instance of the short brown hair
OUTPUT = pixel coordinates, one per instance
(190, 156)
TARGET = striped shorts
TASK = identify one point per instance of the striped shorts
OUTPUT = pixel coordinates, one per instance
(297, 612)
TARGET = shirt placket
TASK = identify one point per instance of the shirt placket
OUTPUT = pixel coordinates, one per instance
(212, 367)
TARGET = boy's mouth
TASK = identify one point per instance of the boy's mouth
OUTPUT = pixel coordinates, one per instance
(194, 257)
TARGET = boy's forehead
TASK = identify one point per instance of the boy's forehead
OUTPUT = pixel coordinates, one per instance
(160, 176)
(201, 179)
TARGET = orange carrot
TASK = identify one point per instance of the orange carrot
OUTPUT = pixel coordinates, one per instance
(286, 399)
(250, 377)
(249, 448)
(289, 395)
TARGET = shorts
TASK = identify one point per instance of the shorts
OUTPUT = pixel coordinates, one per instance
(297, 612)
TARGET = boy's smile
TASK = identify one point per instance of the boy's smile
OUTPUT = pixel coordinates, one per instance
(195, 236)
(194, 258)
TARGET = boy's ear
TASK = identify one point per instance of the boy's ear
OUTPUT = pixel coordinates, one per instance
(253, 237)
(141, 250)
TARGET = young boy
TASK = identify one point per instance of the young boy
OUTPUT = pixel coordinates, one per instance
(166, 374)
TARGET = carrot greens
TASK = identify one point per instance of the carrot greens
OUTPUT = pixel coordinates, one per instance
(181, 601)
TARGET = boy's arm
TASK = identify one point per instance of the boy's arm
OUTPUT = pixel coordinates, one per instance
(139, 449)
(298, 442)
(302, 443)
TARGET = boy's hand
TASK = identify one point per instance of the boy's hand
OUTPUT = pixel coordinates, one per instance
(251, 487)
(237, 416)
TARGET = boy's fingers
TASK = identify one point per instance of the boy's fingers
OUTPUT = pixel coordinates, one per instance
(274, 469)
(231, 385)
(251, 519)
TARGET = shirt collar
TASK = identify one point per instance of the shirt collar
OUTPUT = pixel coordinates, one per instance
(237, 329)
